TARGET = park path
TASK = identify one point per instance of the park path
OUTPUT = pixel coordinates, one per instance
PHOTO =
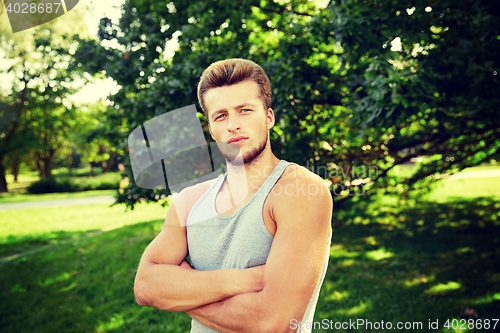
(108, 199)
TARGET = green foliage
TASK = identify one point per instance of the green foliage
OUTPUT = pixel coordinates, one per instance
(345, 94)
(54, 185)
(37, 118)
(435, 93)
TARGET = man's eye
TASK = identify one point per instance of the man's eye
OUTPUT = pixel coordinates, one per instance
(218, 117)
(246, 110)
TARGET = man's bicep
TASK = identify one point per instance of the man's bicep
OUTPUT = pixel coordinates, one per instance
(294, 266)
(170, 245)
(297, 256)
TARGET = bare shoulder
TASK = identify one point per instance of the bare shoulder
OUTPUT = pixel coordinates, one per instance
(184, 201)
(301, 195)
(307, 185)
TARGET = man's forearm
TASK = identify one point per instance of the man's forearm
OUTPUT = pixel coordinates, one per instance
(174, 288)
(240, 313)
(247, 312)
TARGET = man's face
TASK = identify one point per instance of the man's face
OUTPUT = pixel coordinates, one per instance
(236, 114)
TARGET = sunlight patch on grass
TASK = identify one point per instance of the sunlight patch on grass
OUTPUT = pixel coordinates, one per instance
(464, 250)
(442, 288)
(459, 189)
(336, 296)
(51, 280)
(18, 287)
(115, 322)
(347, 262)
(332, 294)
(338, 251)
(379, 254)
(419, 280)
(68, 288)
(362, 307)
(488, 299)
(34, 222)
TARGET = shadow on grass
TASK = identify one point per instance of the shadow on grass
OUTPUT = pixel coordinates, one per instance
(14, 246)
(413, 262)
(395, 262)
(84, 283)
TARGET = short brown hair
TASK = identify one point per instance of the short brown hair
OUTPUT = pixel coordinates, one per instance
(231, 71)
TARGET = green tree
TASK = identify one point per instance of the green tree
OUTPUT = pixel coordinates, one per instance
(36, 115)
(423, 79)
(98, 141)
(357, 85)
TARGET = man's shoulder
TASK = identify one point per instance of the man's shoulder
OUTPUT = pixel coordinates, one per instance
(298, 175)
(300, 185)
(197, 190)
(300, 197)
(185, 199)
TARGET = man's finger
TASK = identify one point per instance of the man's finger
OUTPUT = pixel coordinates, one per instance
(185, 264)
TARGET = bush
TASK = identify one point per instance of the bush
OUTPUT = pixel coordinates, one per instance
(51, 185)
(108, 181)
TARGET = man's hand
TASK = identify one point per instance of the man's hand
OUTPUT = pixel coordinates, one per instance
(185, 264)
(252, 279)
(255, 278)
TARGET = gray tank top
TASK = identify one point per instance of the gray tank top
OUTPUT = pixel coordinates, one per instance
(240, 240)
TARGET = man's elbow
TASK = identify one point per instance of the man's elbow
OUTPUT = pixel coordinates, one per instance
(140, 294)
(145, 296)
(278, 325)
(276, 322)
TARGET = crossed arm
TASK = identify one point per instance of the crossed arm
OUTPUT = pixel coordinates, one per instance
(161, 283)
(262, 299)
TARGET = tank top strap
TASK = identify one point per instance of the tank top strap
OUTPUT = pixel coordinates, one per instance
(271, 181)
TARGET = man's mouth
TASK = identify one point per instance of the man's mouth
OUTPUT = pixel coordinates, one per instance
(237, 140)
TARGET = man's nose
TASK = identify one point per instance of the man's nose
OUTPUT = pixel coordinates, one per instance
(233, 123)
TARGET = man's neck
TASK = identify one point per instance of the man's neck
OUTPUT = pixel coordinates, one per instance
(246, 179)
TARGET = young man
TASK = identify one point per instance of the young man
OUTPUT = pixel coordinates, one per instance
(258, 237)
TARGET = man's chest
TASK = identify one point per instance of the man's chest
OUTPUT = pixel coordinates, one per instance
(225, 204)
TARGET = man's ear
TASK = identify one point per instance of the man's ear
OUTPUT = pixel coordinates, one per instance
(270, 118)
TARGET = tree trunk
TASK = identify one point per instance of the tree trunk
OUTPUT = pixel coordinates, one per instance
(16, 165)
(39, 166)
(70, 165)
(47, 167)
(106, 166)
(3, 181)
(44, 163)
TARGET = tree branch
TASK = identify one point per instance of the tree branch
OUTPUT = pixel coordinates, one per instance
(284, 11)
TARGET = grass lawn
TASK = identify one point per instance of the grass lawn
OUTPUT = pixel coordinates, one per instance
(71, 269)
(23, 181)
(414, 261)
(406, 170)
(18, 190)
(464, 188)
